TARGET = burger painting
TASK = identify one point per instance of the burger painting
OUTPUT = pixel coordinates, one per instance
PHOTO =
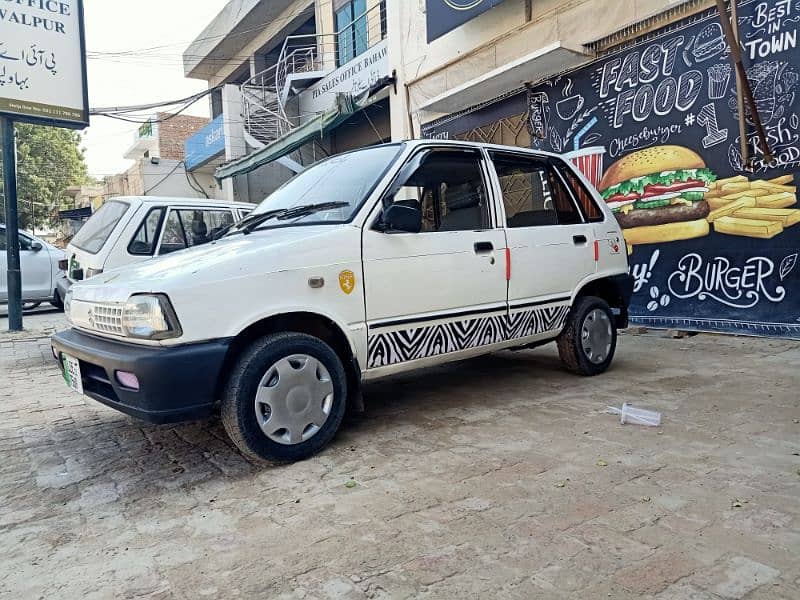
(658, 194)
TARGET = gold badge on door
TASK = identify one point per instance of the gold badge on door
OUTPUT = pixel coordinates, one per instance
(347, 281)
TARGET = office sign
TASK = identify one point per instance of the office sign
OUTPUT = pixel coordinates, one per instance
(715, 247)
(445, 15)
(355, 77)
(43, 62)
(206, 144)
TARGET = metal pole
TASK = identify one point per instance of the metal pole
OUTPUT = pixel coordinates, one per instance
(12, 225)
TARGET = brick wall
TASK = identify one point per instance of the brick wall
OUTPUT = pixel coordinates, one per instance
(173, 132)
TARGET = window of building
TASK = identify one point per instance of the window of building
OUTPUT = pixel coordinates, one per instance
(449, 188)
(146, 238)
(533, 193)
(351, 23)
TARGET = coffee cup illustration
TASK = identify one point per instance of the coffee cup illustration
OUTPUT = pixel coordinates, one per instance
(569, 107)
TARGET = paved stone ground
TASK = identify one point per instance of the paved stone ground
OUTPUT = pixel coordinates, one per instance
(498, 477)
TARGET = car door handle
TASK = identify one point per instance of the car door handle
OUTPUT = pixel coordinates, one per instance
(483, 247)
(579, 240)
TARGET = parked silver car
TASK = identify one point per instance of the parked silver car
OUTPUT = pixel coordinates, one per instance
(40, 270)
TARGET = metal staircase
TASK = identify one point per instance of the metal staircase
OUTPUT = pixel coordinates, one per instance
(303, 60)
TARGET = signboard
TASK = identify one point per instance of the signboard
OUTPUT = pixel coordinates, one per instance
(43, 62)
(445, 15)
(206, 144)
(354, 77)
(655, 127)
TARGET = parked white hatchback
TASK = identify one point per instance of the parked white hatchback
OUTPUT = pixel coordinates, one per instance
(128, 230)
(370, 263)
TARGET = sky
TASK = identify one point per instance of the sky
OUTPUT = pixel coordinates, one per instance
(143, 77)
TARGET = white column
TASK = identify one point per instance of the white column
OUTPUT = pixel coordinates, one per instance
(233, 123)
(396, 13)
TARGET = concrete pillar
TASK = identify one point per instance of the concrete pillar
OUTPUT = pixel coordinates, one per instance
(235, 145)
(258, 63)
(396, 13)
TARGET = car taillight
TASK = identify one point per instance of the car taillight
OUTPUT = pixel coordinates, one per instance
(63, 264)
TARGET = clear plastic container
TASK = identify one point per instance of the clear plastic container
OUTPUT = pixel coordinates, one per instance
(637, 416)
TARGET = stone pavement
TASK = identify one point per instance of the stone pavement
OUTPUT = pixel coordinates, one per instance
(500, 477)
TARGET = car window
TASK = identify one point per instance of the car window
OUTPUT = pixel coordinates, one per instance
(146, 238)
(98, 228)
(533, 194)
(449, 188)
(25, 243)
(585, 199)
(185, 228)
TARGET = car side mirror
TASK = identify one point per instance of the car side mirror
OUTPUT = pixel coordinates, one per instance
(37, 247)
(401, 217)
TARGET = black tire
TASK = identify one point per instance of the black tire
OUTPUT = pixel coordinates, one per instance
(31, 305)
(570, 348)
(57, 301)
(238, 411)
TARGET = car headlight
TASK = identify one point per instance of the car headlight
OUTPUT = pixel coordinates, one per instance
(150, 317)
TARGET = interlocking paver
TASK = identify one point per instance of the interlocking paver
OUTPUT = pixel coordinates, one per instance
(474, 480)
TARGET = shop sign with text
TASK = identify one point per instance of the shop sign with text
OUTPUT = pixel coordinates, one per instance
(655, 127)
(43, 62)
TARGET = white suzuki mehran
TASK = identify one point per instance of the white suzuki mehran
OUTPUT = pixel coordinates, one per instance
(370, 263)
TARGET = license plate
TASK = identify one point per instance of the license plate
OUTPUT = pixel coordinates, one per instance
(72, 373)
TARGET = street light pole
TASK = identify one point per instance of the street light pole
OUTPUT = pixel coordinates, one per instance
(12, 225)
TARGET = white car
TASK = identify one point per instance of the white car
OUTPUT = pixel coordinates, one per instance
(378, 261)
(39, 269)
(128, 230)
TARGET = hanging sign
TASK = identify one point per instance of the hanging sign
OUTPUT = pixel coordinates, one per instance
(43, 62)
(445, 15)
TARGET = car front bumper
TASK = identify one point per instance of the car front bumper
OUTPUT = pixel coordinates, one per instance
(175, 384)
(62, 286)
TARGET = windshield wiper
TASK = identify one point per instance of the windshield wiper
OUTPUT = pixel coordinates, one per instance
(309, 209)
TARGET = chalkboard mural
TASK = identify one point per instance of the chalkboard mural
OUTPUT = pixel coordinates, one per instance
(714, 246)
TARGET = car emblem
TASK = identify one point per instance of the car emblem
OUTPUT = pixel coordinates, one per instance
(347, 281)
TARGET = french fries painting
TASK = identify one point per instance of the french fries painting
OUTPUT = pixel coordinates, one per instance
(757, 209)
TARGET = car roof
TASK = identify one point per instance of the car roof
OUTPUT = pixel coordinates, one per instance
(462, 144)
(176, 200)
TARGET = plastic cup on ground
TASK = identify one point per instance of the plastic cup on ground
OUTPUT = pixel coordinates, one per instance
(637, 416)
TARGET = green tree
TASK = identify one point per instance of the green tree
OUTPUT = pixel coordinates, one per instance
(49, 160)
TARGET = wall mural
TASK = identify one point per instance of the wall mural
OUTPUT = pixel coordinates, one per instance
(655, 128)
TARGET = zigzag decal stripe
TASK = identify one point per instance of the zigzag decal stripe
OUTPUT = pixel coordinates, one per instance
(395, 347)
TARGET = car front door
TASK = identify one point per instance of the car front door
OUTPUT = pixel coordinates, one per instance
(443, 290)
(550, 243)
(36, 269)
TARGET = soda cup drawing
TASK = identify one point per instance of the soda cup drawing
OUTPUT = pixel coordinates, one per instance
(719, 76)
(589, 162)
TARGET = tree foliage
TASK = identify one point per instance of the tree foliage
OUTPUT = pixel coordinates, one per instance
(49, 160)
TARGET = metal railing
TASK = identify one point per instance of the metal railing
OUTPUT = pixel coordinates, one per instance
(265, 95)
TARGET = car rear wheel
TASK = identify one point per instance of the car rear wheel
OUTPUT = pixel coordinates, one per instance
(589, 341)
(285, 398)
(57, 301)
(30, 305)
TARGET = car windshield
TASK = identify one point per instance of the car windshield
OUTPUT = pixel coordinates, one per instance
(332, 191)
(98, 228)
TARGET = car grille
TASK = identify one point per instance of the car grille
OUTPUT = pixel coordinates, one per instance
(94, 316)
(107, 319)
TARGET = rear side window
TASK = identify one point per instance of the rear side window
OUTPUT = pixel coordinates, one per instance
(586, 201)
(185, 228)
(96, 231)
(146, 238)
(533, 193)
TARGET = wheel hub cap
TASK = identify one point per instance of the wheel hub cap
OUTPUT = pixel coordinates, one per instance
(596, 336)
(294, 399)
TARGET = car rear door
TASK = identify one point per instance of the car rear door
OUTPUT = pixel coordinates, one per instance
(441, 291)
(37, 270)
(550, 243)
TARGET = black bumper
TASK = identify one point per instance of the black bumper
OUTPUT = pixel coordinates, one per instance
(624, 284)
(175, 384)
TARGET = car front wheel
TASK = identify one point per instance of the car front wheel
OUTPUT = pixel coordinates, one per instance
(589, 340)
(285, 398)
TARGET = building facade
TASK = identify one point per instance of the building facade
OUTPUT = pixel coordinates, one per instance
(597, 80)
